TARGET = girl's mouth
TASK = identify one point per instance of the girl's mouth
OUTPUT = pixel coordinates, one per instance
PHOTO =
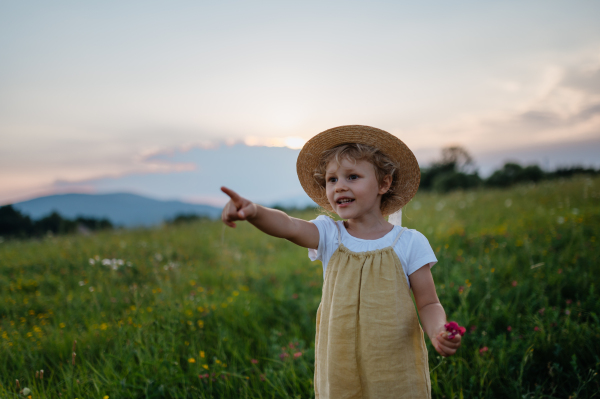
(345, 201)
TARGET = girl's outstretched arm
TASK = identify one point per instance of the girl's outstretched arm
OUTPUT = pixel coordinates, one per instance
(431, 312)
(271, 221)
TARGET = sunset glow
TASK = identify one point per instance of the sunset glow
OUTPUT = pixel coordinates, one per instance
(83, 103)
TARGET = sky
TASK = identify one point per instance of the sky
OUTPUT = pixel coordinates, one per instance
(174, 99)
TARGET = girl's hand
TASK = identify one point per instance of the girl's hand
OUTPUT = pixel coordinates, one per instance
(238, 208)
(445, 346)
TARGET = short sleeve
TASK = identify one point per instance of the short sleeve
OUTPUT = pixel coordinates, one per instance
(327, 231)
(418, 253)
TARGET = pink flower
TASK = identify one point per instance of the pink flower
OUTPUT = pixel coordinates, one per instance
(541, 311)
(509, 328)
(569, 301)
(283, 355)
(291, 344)
(473, 328)
(483, 350)
(454, 329)
(536, 328)
(514, 283)
(297, 355)
(262, 377)
(451, 326)
(253, 361)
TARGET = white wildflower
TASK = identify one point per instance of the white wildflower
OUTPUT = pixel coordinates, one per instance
(440, 205)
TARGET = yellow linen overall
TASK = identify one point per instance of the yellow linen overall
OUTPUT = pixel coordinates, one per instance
(369, 343)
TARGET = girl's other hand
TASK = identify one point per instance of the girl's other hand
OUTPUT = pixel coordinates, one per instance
(445, 346)
(238, 208)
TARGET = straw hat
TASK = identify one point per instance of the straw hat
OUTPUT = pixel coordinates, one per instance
(408, 173)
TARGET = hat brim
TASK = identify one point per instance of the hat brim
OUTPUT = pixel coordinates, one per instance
(408, 172)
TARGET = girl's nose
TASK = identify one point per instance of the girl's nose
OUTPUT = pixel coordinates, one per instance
(340, 186)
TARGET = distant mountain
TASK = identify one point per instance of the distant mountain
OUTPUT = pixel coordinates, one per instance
(121, 209)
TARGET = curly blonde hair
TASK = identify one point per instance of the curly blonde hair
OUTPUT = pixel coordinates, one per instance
(383, 165)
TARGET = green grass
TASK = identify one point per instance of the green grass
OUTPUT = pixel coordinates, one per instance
(201, 299)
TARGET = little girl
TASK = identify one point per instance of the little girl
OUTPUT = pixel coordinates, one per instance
(369, 343)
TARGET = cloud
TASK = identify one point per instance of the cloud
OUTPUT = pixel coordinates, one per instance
(570, 110)
(583, 79)
(163, 151)
(562, 106)
(264, 174)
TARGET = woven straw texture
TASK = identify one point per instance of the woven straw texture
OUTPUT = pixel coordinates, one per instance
(408, 174)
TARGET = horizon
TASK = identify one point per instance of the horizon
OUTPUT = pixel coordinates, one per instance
(295, 201)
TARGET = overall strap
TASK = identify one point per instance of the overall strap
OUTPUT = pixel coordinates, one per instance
(398, 237)
(339, 233)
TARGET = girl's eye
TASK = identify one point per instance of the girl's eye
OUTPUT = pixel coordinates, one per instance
(353, 177)
(332, 179)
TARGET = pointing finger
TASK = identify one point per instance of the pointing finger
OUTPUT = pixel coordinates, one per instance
(233, 195)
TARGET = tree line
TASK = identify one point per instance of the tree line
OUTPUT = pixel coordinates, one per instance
(14, 224)
(456, 171)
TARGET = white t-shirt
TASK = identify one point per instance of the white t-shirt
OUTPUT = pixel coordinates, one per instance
(412, 248)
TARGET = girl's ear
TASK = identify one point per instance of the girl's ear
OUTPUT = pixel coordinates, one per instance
(385, 185)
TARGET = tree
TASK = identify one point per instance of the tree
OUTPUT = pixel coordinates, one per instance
(458, 157)
(513, 173)
(13, 223)
(451, 172)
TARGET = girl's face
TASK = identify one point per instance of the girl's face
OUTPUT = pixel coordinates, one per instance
(352, 188)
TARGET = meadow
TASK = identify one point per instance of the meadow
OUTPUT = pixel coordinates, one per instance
(199, 310)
